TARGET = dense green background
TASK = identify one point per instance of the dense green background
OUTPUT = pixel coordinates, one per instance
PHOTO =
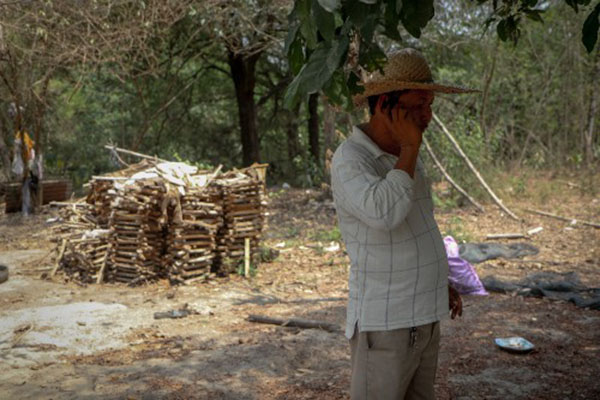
(536, 111)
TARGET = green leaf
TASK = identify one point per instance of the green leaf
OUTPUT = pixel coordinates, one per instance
(512, 29)
(294, 91)
(337, 90)
(290, 38)
(501, 29)
(330, 5)
(370, 56)
(353, 85)
(534, 15)
(357, 11)
(325, 21)
(296, 56)
(391, 21)
(487, 23)
(364, 17)
(368, 29)
(415, 15)
(589, 32)
(573, 4)
(368, 1)
(308, 26)
(321, 65)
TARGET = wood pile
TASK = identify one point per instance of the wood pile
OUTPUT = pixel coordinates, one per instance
(136, 225)
(243, 217)
(83, 246)
(99, 197)
(162, 220)
(101, 189)
(191, 240)
(76, 218)
(84, 259)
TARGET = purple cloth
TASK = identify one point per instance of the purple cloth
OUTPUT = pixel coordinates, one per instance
(461, 274)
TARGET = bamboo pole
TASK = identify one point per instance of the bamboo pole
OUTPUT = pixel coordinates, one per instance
(449, 178)
(472, 168)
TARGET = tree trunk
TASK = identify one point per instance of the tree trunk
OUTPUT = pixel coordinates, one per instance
(244, 78)
(486, 91)
(293, 144)
(40, 111)
(5, 147)
(329, 138)
(593, 111)
(313, 127)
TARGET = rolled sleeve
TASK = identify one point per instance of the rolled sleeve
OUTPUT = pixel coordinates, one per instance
(380, 202)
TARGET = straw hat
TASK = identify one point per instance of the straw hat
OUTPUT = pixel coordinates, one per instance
(405, 69)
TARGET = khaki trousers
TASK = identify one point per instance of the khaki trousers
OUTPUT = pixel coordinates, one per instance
(395, 365)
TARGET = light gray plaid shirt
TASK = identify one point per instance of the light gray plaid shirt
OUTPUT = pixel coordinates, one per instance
(399, 273)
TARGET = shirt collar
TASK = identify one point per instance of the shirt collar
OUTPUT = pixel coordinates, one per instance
(362, 139)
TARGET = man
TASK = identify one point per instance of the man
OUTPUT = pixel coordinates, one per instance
(398, 284)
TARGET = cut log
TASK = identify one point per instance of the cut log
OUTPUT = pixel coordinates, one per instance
(295, 322)
(505, 236)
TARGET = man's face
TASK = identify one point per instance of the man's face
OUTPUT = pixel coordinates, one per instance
(418, 103)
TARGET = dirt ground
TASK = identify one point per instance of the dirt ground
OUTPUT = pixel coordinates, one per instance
(60, 340)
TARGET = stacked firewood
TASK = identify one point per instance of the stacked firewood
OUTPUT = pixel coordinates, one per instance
(84, 259)
(136, 231)
(243, 214)
(82, 245)
(100, 195)
(102, 189)
(75, 218)
(162, 220)
(195, 219)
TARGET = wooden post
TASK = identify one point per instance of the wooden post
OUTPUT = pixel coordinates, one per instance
(247, 257)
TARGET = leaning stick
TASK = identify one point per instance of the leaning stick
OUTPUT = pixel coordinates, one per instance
(449, 178)
(472, 167)
(295, 322)
(547, 214)
(133, 153)
(60, 255)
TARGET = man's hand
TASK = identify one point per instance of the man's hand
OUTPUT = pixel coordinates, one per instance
(455, 302)
(401, 123)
